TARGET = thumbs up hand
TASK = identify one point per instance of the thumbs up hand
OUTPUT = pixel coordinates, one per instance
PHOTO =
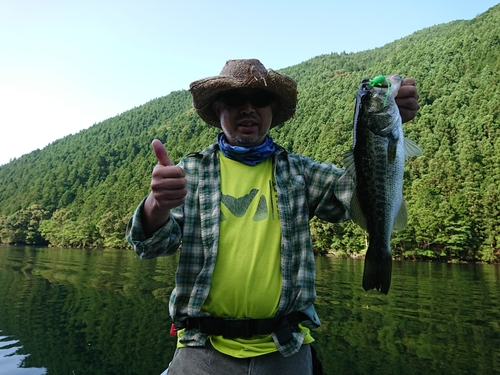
(168, 190)
(168, 183)
(161, 153)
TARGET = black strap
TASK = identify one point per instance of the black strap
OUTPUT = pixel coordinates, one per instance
(246, 328)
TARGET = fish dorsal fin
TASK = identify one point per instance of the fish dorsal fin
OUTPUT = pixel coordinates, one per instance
(356, 213)
(411, 149)
(349, 165)
(401, 220)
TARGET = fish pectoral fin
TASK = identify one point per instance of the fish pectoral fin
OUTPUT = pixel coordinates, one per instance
(356, 213)
(411, 149)
(392, 149)
(401, 220)
(349, 164)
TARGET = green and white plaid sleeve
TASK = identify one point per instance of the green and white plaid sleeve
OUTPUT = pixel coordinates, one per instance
(165, 241)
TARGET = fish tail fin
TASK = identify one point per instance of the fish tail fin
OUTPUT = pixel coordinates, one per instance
(377, 273)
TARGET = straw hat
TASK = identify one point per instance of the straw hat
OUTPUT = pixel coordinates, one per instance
(245, 74)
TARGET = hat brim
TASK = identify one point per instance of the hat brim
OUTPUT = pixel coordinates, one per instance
(206, 90)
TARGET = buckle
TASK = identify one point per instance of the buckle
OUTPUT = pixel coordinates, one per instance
(234, 328)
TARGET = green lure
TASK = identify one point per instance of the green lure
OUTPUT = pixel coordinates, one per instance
(379, 81)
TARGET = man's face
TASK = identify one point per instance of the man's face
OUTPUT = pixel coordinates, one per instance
(245, 115)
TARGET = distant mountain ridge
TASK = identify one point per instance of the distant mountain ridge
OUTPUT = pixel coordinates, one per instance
(80, 190)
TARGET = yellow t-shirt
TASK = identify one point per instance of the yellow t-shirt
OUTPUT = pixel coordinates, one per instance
(247, 277)
(246, 282)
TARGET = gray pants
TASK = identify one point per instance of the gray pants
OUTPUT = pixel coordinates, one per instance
(208, 361)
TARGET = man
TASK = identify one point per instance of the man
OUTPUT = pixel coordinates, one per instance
(244, 291)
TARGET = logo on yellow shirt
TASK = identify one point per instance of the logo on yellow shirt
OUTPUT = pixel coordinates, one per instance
(239, 206)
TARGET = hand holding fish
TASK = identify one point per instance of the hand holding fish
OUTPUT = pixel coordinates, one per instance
(407, 100)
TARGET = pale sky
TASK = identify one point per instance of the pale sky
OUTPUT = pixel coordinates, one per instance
(68, 64)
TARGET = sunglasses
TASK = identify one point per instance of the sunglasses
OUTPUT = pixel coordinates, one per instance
(236, 99)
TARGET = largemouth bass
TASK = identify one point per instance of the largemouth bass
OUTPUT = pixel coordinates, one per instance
(376, 161)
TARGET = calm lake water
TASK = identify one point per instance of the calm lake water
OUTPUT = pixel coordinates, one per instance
(74, 312)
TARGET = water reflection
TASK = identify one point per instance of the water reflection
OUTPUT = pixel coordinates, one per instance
(12, 362)
(106, 312)
(437, 319)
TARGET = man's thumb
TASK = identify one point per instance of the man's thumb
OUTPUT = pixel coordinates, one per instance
(161, 153)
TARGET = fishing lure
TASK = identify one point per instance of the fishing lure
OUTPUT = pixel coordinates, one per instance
(379, 81)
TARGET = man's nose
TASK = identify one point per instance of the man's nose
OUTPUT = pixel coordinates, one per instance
(247, 107)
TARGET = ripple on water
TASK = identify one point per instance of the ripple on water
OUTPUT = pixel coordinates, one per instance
(11, 361)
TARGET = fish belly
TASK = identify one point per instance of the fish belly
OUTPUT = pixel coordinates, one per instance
(379, 189)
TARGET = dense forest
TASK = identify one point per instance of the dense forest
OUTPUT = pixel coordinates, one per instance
(81, 190)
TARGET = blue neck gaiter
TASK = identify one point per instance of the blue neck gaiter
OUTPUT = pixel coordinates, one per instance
(247, 155)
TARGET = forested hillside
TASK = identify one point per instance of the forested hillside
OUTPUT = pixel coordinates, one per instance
(80, 190)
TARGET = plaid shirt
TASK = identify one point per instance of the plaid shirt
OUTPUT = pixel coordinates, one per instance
(305, 188)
